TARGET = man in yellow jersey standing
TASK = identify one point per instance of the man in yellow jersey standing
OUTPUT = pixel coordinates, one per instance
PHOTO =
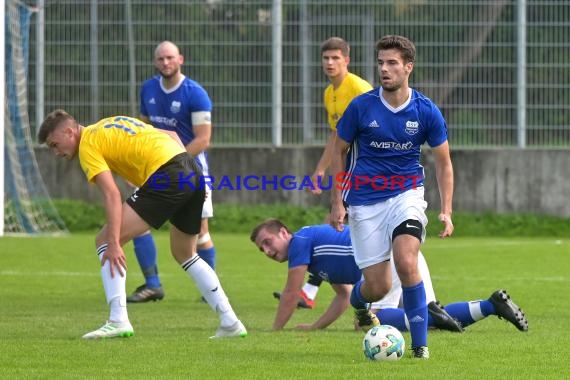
(169, 188)
(344, 86)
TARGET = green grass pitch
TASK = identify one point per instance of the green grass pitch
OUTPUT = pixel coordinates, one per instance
(51, 294)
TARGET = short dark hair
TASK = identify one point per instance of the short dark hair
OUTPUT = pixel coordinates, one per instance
(272, 225)
(51, 122)
(402, 44)
(336, 43)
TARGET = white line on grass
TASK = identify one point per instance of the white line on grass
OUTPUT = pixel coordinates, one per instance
(450, 244)
(55, 274)
(505, 279)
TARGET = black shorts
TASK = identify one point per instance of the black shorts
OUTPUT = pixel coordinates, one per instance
(172, 193)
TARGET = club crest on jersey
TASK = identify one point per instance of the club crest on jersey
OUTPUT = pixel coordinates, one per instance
(175, 106)
(412, 127)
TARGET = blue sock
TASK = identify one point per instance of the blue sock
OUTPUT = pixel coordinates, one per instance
(487, 307)
(470, 312)
(414, 298)
(356, 299)
(209, 256)
(393, 317)
(145, 250)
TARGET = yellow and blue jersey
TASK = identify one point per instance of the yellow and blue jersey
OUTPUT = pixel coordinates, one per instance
(336, 100)
(125, 146)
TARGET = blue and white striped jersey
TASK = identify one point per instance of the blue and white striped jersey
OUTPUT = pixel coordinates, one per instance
(327, 252)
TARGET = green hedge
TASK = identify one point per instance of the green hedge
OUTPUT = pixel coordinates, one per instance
(81, 216)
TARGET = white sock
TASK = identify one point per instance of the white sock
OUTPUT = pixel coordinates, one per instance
(209, 285)
(310, 290)
(475, 310)
(115, 292)
(118, 311)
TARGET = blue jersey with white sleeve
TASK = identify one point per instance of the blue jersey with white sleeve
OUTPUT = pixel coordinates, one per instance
(327, 252)
(385, 145)
(172, 109)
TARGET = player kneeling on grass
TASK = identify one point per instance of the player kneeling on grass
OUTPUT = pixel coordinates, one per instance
(157, 163)
(327, 253)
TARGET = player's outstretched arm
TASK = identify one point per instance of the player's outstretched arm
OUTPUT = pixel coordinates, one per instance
(289, 296)
(338, 211)
(201, 140)
(444, 175)
(323, 164)
(338, 305)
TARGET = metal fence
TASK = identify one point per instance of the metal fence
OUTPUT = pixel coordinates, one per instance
(499, 70)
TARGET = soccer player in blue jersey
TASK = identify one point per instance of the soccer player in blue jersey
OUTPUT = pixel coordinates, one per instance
(379, 184)
(175, 102)
(329, 255)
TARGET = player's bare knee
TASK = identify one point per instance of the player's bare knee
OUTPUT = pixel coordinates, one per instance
(406, 264)
(379, 288)
(408, 272)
